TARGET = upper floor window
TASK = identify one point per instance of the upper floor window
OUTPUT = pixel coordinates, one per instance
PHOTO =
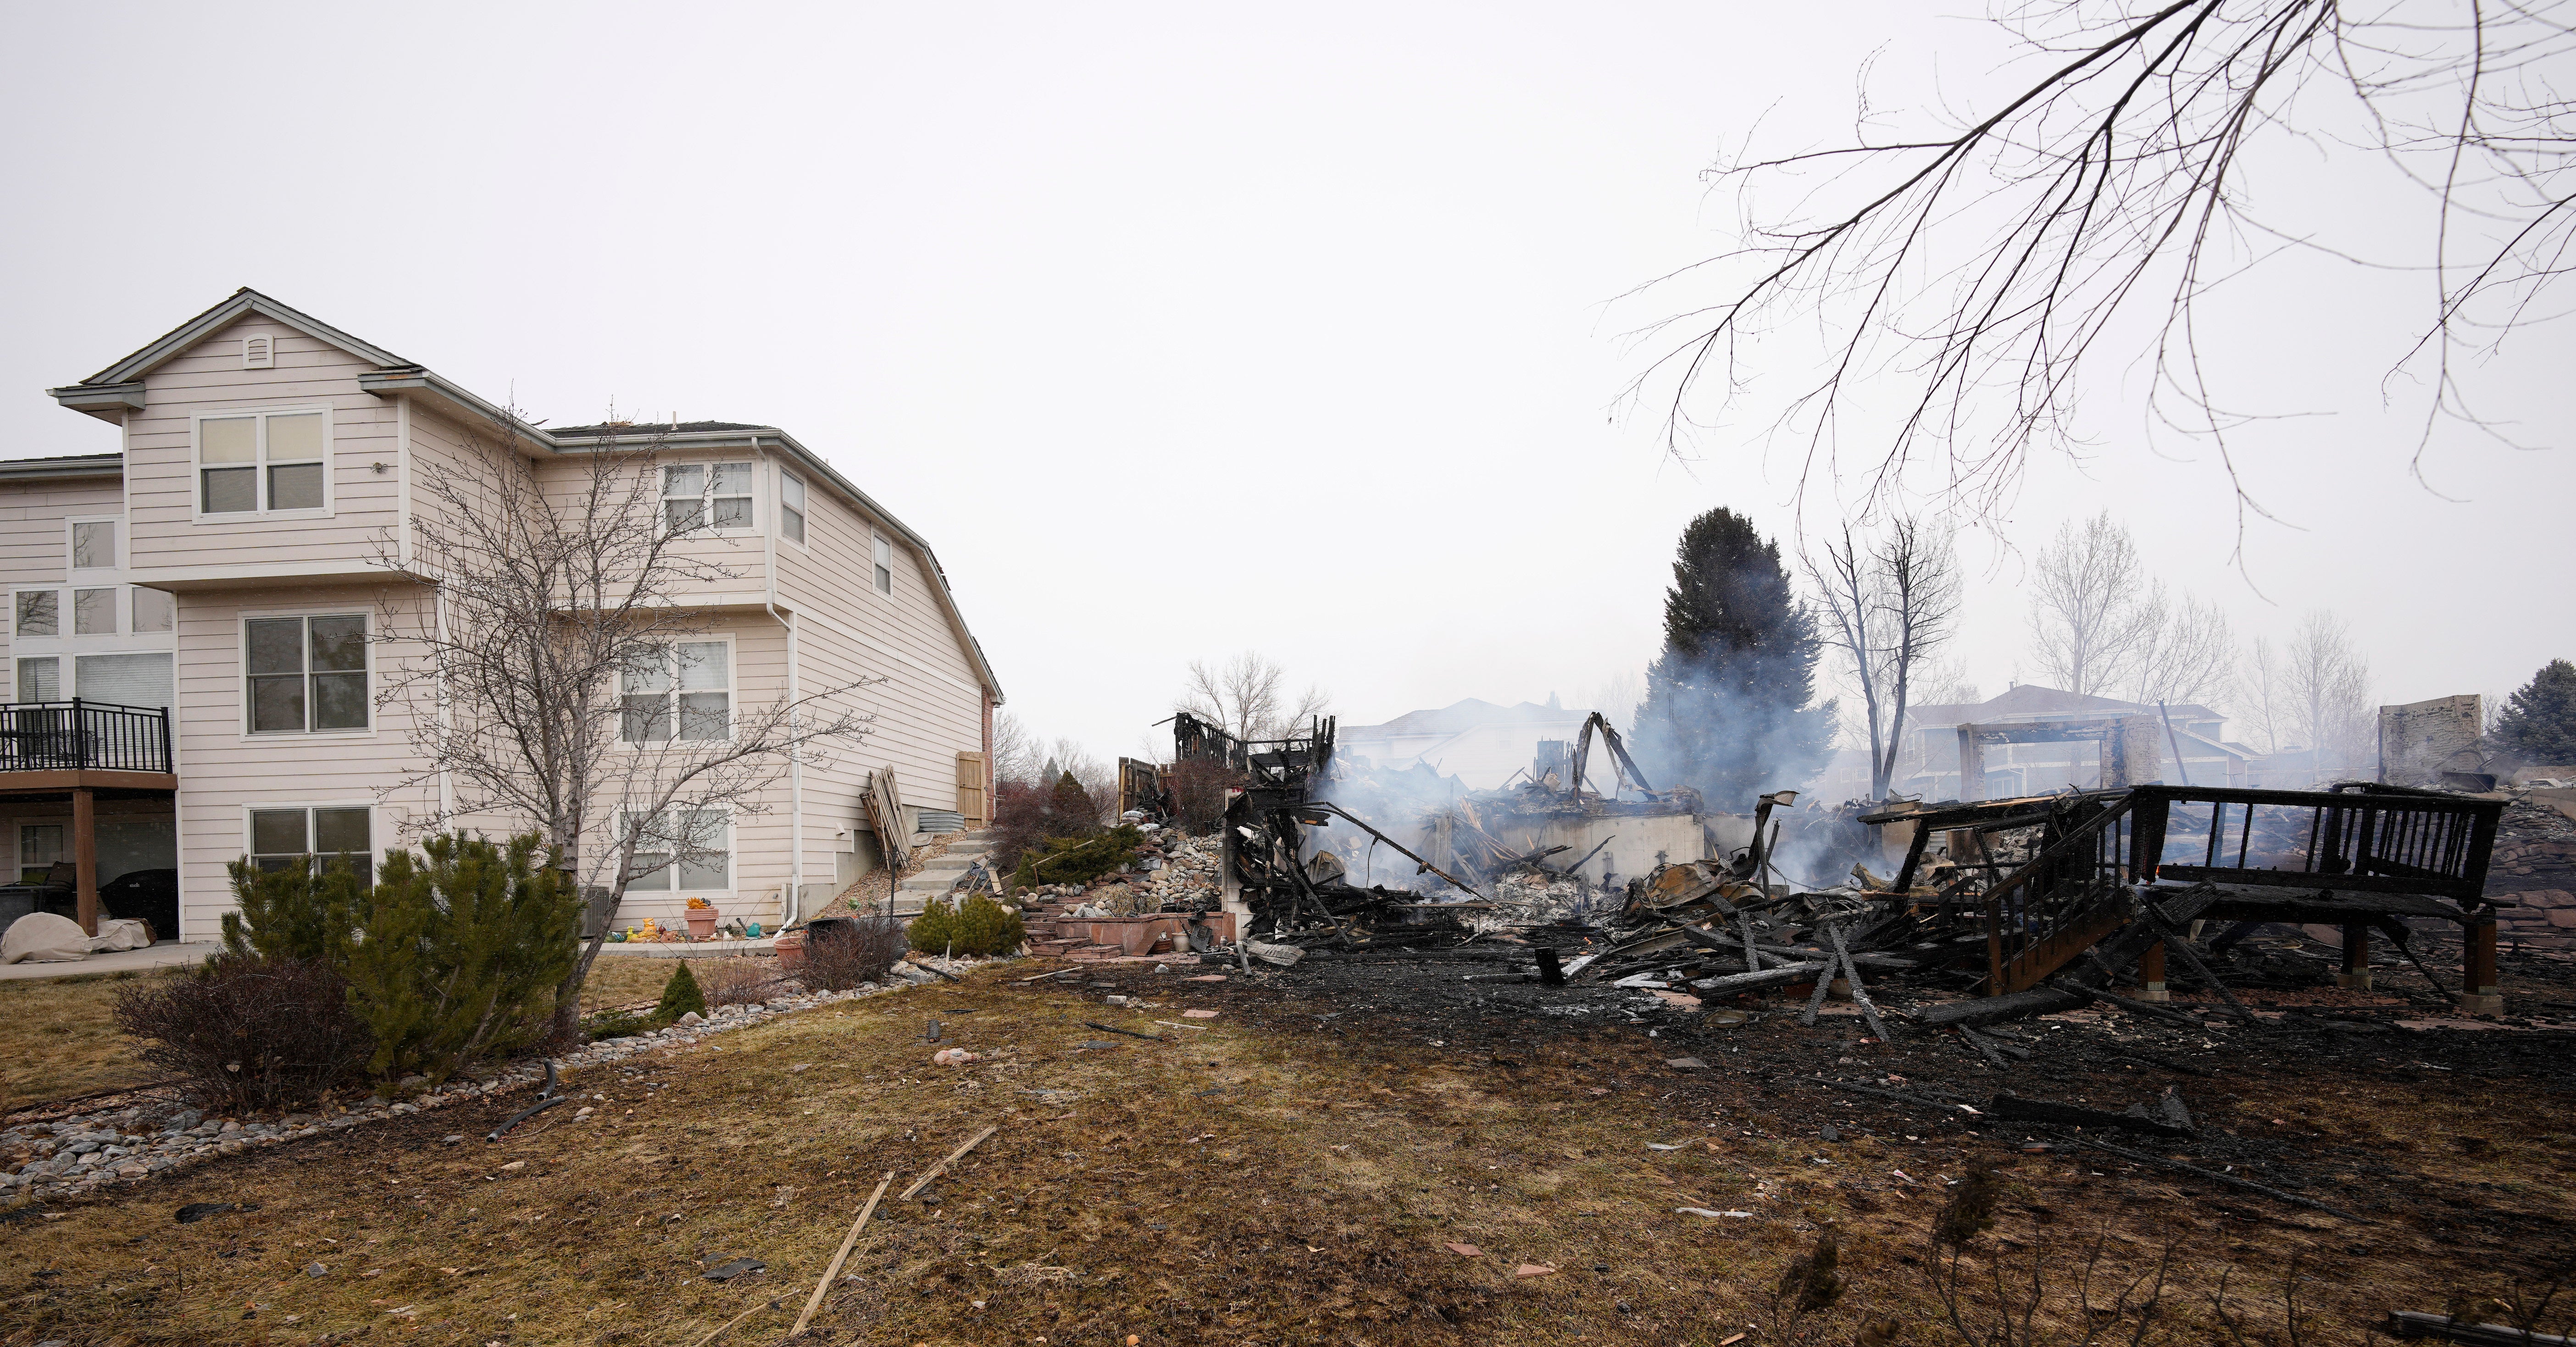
(93, 544)
(685, 687)
(306, 673)
(95, 611)
(791, 506)
(885, 564)
(40, 612)
(703, 495)
(260, 463)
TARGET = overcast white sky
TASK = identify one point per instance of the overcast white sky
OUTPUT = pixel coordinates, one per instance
(1181, 329)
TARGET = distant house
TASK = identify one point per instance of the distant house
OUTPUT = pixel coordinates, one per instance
(1928, 765)
(1476, 741)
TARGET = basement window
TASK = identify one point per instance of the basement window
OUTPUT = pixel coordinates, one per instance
(281, 839)
(700, 839)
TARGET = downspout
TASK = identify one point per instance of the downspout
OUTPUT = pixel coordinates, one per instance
(794, 898)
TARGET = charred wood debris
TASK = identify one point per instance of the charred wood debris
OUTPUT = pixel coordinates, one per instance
(1997, 912)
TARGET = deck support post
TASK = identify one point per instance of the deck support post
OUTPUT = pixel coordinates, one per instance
(2151, 974)
(2356, 957)
(2479, 992)
(85, 856)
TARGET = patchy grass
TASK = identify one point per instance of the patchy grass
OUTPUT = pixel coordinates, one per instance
(59, 1039)
(1230, 1184)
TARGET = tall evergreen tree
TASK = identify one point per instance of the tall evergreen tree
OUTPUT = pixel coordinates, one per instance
(1728, 702)
(2539, 722)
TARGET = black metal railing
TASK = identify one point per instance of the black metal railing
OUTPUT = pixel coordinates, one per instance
(83, 736)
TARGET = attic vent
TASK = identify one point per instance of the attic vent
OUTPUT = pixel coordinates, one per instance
(259, 353)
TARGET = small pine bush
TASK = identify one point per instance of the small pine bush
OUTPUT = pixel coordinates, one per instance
(979, 927)
(680, 995)
(1074, 860)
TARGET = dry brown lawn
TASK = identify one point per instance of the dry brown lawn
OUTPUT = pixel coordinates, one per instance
(1231, 1184)
(58, 1036)
(58, 1039)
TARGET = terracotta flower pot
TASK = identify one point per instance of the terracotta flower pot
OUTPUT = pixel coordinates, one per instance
(702, 923)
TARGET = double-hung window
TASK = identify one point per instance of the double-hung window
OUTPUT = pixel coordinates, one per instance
(683, 690)
(683, 851)
(263, 462)
(306, 673)
(703, 495)
(884, 564)
(791, 506)
(281, 839)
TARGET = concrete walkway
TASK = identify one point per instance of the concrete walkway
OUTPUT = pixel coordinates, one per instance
(167, 954)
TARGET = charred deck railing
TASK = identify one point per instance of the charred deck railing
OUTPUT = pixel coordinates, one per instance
(2068, 897)
(2357, 839)
(81, 735)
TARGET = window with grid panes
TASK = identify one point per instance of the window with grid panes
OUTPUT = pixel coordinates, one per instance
(283, 838)
(683, 690)
(306, 673)
(250, 464)
(700, 839)
(706, 495)
(791, 506)
(884, 564)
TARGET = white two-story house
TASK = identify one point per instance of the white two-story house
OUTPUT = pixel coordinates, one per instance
(215, 596)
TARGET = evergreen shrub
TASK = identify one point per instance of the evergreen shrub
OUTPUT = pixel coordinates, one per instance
(1078, 860)
(463, 946)
(978, 927)
(680, 995)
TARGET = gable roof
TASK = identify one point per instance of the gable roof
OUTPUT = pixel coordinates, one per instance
(179, 340)
(2031, 699)
(113, 391)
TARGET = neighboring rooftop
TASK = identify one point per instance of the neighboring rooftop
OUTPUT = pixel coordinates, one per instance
(649, 429)
(1459, 716)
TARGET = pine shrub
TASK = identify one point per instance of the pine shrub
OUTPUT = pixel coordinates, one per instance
(1070, 860)
(464, 944)
(978, 927)
(680, 995)
(297, 911)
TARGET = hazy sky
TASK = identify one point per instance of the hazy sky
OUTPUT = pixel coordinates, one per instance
(1188, 329)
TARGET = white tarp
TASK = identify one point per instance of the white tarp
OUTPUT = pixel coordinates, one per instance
(123, 933)
(43, 937)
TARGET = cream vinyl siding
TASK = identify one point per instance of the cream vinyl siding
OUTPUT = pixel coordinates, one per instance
(930, 706)
(223, 769)
(161, 471)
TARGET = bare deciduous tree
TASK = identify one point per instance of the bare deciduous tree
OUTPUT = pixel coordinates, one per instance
(1016, 753)
(1889, 603)
(1246, 698)
(2093, 611)
(2318, 687)
(1972, 270)
(2189, 657)
(556, 678)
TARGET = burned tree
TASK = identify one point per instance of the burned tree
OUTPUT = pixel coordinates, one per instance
(1728, 703)
(554, 678)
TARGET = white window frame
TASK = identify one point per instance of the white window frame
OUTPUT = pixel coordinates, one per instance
(242, 677)
(880, 562)
(62, 613)
(732, 691)
(707, 494)
(375, 827)
(197, 512)
(803, 514)
(675, 893)
(71, 530)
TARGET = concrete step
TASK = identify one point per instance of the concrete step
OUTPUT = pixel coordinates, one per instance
(1094, 952)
